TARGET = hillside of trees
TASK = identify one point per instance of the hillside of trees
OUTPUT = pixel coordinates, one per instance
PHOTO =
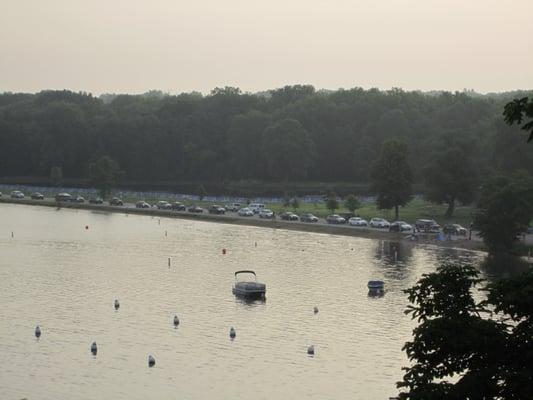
(286, 135)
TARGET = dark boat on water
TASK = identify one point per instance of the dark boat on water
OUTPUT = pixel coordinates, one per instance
(248, 288)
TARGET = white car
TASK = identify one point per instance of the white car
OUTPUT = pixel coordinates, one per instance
(356, 221)
(245, 212)
(379, 223)
(400, 226)
(17, 194)
(233, 206)
(266, 213)
(256, 207)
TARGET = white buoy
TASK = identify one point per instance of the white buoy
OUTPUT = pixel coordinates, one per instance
(232, 333)
(315, 310)
(94, 348)
(151, 361)
(176, 320)
(311, 350)
(117, 304)
(37, 331)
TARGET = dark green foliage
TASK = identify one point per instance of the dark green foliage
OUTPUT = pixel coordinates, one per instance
(517, 110)
(201, 192)
(104, 174)
(504, 210)
(392, 176)
(295, 203)
(352, 203)
(331, 203)
(458, 350)
(288, 150)
(56, 176)
(451, 175)
(219, 137)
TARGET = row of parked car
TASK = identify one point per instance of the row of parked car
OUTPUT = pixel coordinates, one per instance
(421, 225)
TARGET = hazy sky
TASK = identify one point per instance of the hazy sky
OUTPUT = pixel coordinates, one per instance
(134, 46)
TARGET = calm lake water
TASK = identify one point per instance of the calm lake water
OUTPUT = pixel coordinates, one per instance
(65, 278)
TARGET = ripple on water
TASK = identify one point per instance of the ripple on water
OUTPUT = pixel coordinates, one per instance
(65, 278)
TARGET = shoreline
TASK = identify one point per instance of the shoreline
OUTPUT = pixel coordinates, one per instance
(341, 230)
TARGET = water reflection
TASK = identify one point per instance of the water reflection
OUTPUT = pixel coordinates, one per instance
(503, 266)
(394, 259)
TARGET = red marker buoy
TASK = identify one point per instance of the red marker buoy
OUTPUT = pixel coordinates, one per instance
(223, 251)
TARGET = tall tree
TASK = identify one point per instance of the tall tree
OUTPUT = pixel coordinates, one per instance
(451, 175)
(452, 339)
(288, 150)
(56, 176)
(517, 110)
(392, 177)
(104, 174)
(504, 211)
(352, 203)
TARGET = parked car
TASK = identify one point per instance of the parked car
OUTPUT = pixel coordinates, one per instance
(266, 214)
(427, 225)
(400, 226)
(37, 196)
(177, 206)
(379, 223)
(357, 221)
(256, 207)
(79, 199)
(63, 197)
(216, 209)
(163, 205)
(308, 218)
(96, 200)
(289, 216)
(142, 204)
(455, 229)
(17, 194)
(195, 209)
(245, 212)
(115, 201)
(233, 207)
(347, 215)
(335, 219)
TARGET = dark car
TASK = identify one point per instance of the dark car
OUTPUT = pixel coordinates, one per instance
(308, 218)
(400, 226)
(142, 204)
(289, 216)
(427, 225)
(115, 201)
(454, 229)
(177, 206)
(63, 197)
(96, 200)
(335, 219)
(195, 209)
(216, 209)
(37, 196)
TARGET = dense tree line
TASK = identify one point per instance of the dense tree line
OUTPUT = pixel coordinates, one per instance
(288, 134)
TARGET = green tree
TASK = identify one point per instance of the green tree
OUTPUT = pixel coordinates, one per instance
(517, 110)
(104, 174)
(392, 177)
(295, 203)
(504, 211)
(352, 203)
(201, 192)
(56, 176)
(452, 339)
(288, 150)
(331, 203)
(451, 175)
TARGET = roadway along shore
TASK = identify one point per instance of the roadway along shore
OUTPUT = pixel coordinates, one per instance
(233, 218)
